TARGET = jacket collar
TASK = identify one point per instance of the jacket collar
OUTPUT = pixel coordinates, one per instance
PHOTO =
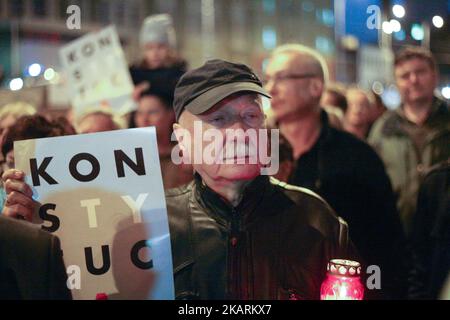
(437, 121)
(326, 132)
(222, 211)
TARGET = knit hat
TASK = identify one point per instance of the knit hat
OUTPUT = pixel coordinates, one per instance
(158, 28)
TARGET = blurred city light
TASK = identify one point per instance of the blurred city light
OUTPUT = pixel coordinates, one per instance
(326, 16)
(16, 84)
(398, 11)
(34, 69)
(49, 74)
(377, 87)
(417, 32)
(391, 97)
(400, 36)
(396, 26)
(387, 27)
(438, 22)
(446, 92)
(350, 42)
(56, 78)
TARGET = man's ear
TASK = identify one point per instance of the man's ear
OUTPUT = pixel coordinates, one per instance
(178, 131)
(317, 87)
(183, 137)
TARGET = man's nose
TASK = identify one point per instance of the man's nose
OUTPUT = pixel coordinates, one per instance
(236, 130)
(238, 123)
(413, 77)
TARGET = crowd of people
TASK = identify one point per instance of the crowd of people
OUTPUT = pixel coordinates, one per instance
(355, 180)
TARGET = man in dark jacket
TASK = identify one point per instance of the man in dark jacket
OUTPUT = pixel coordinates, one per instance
(249, 237)
(431, 234)
(345, 171)
(31, 264)
(235, 234)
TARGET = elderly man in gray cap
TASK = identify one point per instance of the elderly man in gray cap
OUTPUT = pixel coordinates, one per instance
(236, 234)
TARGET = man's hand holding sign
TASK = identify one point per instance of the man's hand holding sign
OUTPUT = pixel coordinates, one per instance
(19, 203)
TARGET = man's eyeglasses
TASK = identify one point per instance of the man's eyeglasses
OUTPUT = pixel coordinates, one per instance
(281, 77)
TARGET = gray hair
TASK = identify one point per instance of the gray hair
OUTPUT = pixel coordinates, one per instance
(298, 49)
(118, 122)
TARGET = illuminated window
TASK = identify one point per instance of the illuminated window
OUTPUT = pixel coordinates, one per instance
(269, 38)
(269, 6)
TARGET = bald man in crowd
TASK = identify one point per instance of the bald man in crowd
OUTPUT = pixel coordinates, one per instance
(97, 121)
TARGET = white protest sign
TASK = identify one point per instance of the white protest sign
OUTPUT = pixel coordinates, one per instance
(103, 195)
(97, 73)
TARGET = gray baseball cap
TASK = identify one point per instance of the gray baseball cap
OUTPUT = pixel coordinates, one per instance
(200, 89)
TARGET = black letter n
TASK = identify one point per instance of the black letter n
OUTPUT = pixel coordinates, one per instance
(137, 167)
(40, 171)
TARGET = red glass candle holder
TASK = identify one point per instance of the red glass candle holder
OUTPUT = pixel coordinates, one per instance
(343, 281)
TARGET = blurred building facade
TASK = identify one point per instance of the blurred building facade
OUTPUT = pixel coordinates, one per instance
(32, 31)
(239, 30)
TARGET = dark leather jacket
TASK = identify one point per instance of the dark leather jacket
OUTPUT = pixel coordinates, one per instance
(274, 245)
(430, 235)
(31, 263)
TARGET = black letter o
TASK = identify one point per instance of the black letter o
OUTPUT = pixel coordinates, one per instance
(88, 177)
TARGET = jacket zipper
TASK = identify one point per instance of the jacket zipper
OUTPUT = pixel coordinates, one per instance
(234, 259)
(234, 232)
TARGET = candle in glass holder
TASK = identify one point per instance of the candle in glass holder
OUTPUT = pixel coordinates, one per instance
(343, 281)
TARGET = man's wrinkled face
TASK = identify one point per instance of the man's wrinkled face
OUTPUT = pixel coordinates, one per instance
(234, 117)
(416, 80)
(293, 83)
